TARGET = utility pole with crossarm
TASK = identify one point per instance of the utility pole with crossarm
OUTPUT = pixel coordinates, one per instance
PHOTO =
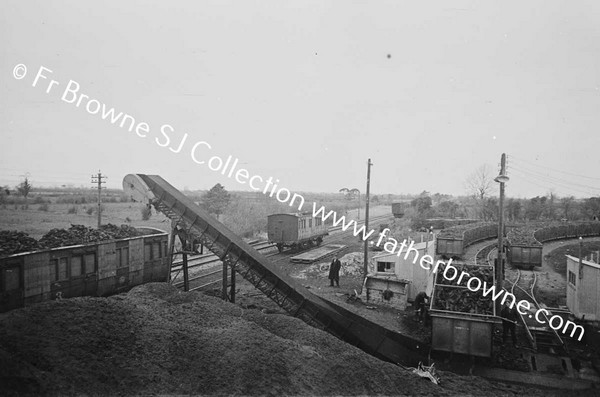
(98, 179)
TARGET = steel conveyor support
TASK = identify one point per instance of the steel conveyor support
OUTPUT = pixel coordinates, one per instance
(264, 275)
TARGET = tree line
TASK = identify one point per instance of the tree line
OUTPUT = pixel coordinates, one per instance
(481, 203)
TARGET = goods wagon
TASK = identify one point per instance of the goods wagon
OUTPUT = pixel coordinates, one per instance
(398, 209)
(462, 320)
(525, 256)
(296, 231)
(95, 269)
(452, 242)
(525, 241)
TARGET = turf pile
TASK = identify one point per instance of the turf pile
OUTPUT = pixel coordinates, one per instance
(158, 340)
(13, 242)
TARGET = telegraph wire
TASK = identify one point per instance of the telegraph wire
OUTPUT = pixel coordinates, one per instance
(545, 187)
(12, 171)
(552, 183)
(553, 179)
(557, 186)
(546, 177)
(553, 169)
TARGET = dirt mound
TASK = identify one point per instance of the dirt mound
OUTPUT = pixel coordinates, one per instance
(352, 265)
(158, 340)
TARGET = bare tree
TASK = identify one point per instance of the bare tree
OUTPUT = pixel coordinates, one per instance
(479, 185)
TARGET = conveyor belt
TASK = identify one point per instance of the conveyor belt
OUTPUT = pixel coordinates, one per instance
(265, 276)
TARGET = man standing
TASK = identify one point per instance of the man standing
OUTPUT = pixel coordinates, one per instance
(421, 301)
(509, 322)
(334, 271)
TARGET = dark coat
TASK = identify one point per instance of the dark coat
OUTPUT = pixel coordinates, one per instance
(420, 299)
(334, 269)
(509, 314)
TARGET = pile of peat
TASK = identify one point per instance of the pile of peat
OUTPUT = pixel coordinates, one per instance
(159, 340)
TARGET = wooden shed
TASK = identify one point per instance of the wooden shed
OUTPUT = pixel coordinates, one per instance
(583, 289)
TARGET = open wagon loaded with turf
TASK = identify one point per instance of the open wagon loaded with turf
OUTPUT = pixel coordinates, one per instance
(463, 320)
(452, 242)
(525, 243)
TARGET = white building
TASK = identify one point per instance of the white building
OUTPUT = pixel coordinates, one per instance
(583, 289)
(395, 281)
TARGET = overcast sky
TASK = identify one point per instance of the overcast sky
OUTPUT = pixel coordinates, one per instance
(306, 92)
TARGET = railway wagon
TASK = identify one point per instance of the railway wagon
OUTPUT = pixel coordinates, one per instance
(398, 210)
(296, 231)
(524, 256)
(567, 230)
(95, 269)
(461, 320)
(525, 243)
(452, 242)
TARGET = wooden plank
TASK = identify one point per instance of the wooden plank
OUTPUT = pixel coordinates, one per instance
(319, 253)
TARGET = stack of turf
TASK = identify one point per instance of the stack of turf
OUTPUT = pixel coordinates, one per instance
(524, 235)
(80, 234)
(76, 234)
(484, 273)
(462, 300)
(13, 242)
(458, 231)
(117, 232)
(450, 296)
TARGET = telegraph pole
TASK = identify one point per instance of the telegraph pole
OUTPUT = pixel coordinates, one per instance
(98, 180)
(366, 265)
(502, 179)
(358, 204)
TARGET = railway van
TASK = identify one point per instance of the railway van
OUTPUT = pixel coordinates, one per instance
(398, 209)
(94, 269)
(296, 231)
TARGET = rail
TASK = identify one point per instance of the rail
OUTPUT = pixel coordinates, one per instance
(483, 255)
(238, 255)
(522, 320)
(537, 334)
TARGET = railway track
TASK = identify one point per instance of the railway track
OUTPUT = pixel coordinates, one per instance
(541, 336)
(205, 270)
(484, 255)
(336, 236)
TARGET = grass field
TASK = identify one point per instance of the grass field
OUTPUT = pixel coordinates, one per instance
(558, 260)
(37, 222)
(245, 218)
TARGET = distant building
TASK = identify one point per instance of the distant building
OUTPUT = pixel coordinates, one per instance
(583, 289)
(395, 281)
